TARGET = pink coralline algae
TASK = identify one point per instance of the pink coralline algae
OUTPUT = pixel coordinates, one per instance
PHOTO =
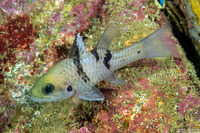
(10, 7)
(21, 7)
(137, 3)
(57, 18)
(188, 102)
(82, 130)
(144, 82)
(137, 14)
(149, 119)
(82, 18)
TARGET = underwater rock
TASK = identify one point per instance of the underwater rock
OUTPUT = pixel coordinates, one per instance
(191, 10)
(162, 95)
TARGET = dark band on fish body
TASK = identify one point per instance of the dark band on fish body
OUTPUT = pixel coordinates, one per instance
(74, 53)
(80, 71)
(107, 58)
(96, 55)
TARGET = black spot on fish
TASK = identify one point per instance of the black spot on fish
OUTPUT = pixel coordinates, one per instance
(138, 51)
(69, 88)
(96, 55)
(80, 71)
(107, 58)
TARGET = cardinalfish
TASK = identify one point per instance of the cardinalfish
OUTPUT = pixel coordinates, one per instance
(78, 74)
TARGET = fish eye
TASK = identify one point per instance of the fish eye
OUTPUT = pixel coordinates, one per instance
(48, 89)
(69, 88)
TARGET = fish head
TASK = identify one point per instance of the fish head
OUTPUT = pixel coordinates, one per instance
(50, 87)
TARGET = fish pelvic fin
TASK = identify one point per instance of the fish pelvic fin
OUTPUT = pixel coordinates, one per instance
(92, 94)
(106, 38)
(160, 43)
(114, 79)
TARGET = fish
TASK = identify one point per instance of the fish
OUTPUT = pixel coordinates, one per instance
(160, 3)
(78, 74)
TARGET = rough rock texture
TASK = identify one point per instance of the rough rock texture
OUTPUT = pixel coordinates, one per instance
(163, 94)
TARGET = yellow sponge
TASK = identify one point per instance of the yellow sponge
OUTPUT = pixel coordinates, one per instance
(196, 8)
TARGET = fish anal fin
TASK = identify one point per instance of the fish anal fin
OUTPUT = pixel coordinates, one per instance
(106, 38)
(114, 79)
(94, 94)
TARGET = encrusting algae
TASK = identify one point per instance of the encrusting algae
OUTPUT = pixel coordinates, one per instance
(162, 94)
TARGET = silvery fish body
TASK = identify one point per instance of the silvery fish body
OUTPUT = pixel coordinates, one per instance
(78, 74)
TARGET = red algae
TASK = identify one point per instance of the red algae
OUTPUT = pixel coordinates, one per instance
(17, 34)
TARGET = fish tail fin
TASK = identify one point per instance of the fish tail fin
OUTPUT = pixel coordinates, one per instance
(160, 43)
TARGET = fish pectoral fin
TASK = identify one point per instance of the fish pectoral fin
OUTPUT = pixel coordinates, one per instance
(114, 79)
(78, 47)
(107, 37)
(94, 94)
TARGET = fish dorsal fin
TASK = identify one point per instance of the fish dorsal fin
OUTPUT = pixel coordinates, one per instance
(107, 37)
(78, 47)
(94, 94)
(114, 79)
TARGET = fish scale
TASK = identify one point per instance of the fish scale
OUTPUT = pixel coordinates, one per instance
(78, 74)
(125, 56)
(96, 71)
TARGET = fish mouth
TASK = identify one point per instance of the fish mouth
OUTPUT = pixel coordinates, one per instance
(53, 98)
(39, 100)
(34, 99)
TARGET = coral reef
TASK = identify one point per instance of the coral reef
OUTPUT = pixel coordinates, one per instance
(162, 95)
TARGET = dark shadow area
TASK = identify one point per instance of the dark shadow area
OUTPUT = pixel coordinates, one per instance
(185, 41)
